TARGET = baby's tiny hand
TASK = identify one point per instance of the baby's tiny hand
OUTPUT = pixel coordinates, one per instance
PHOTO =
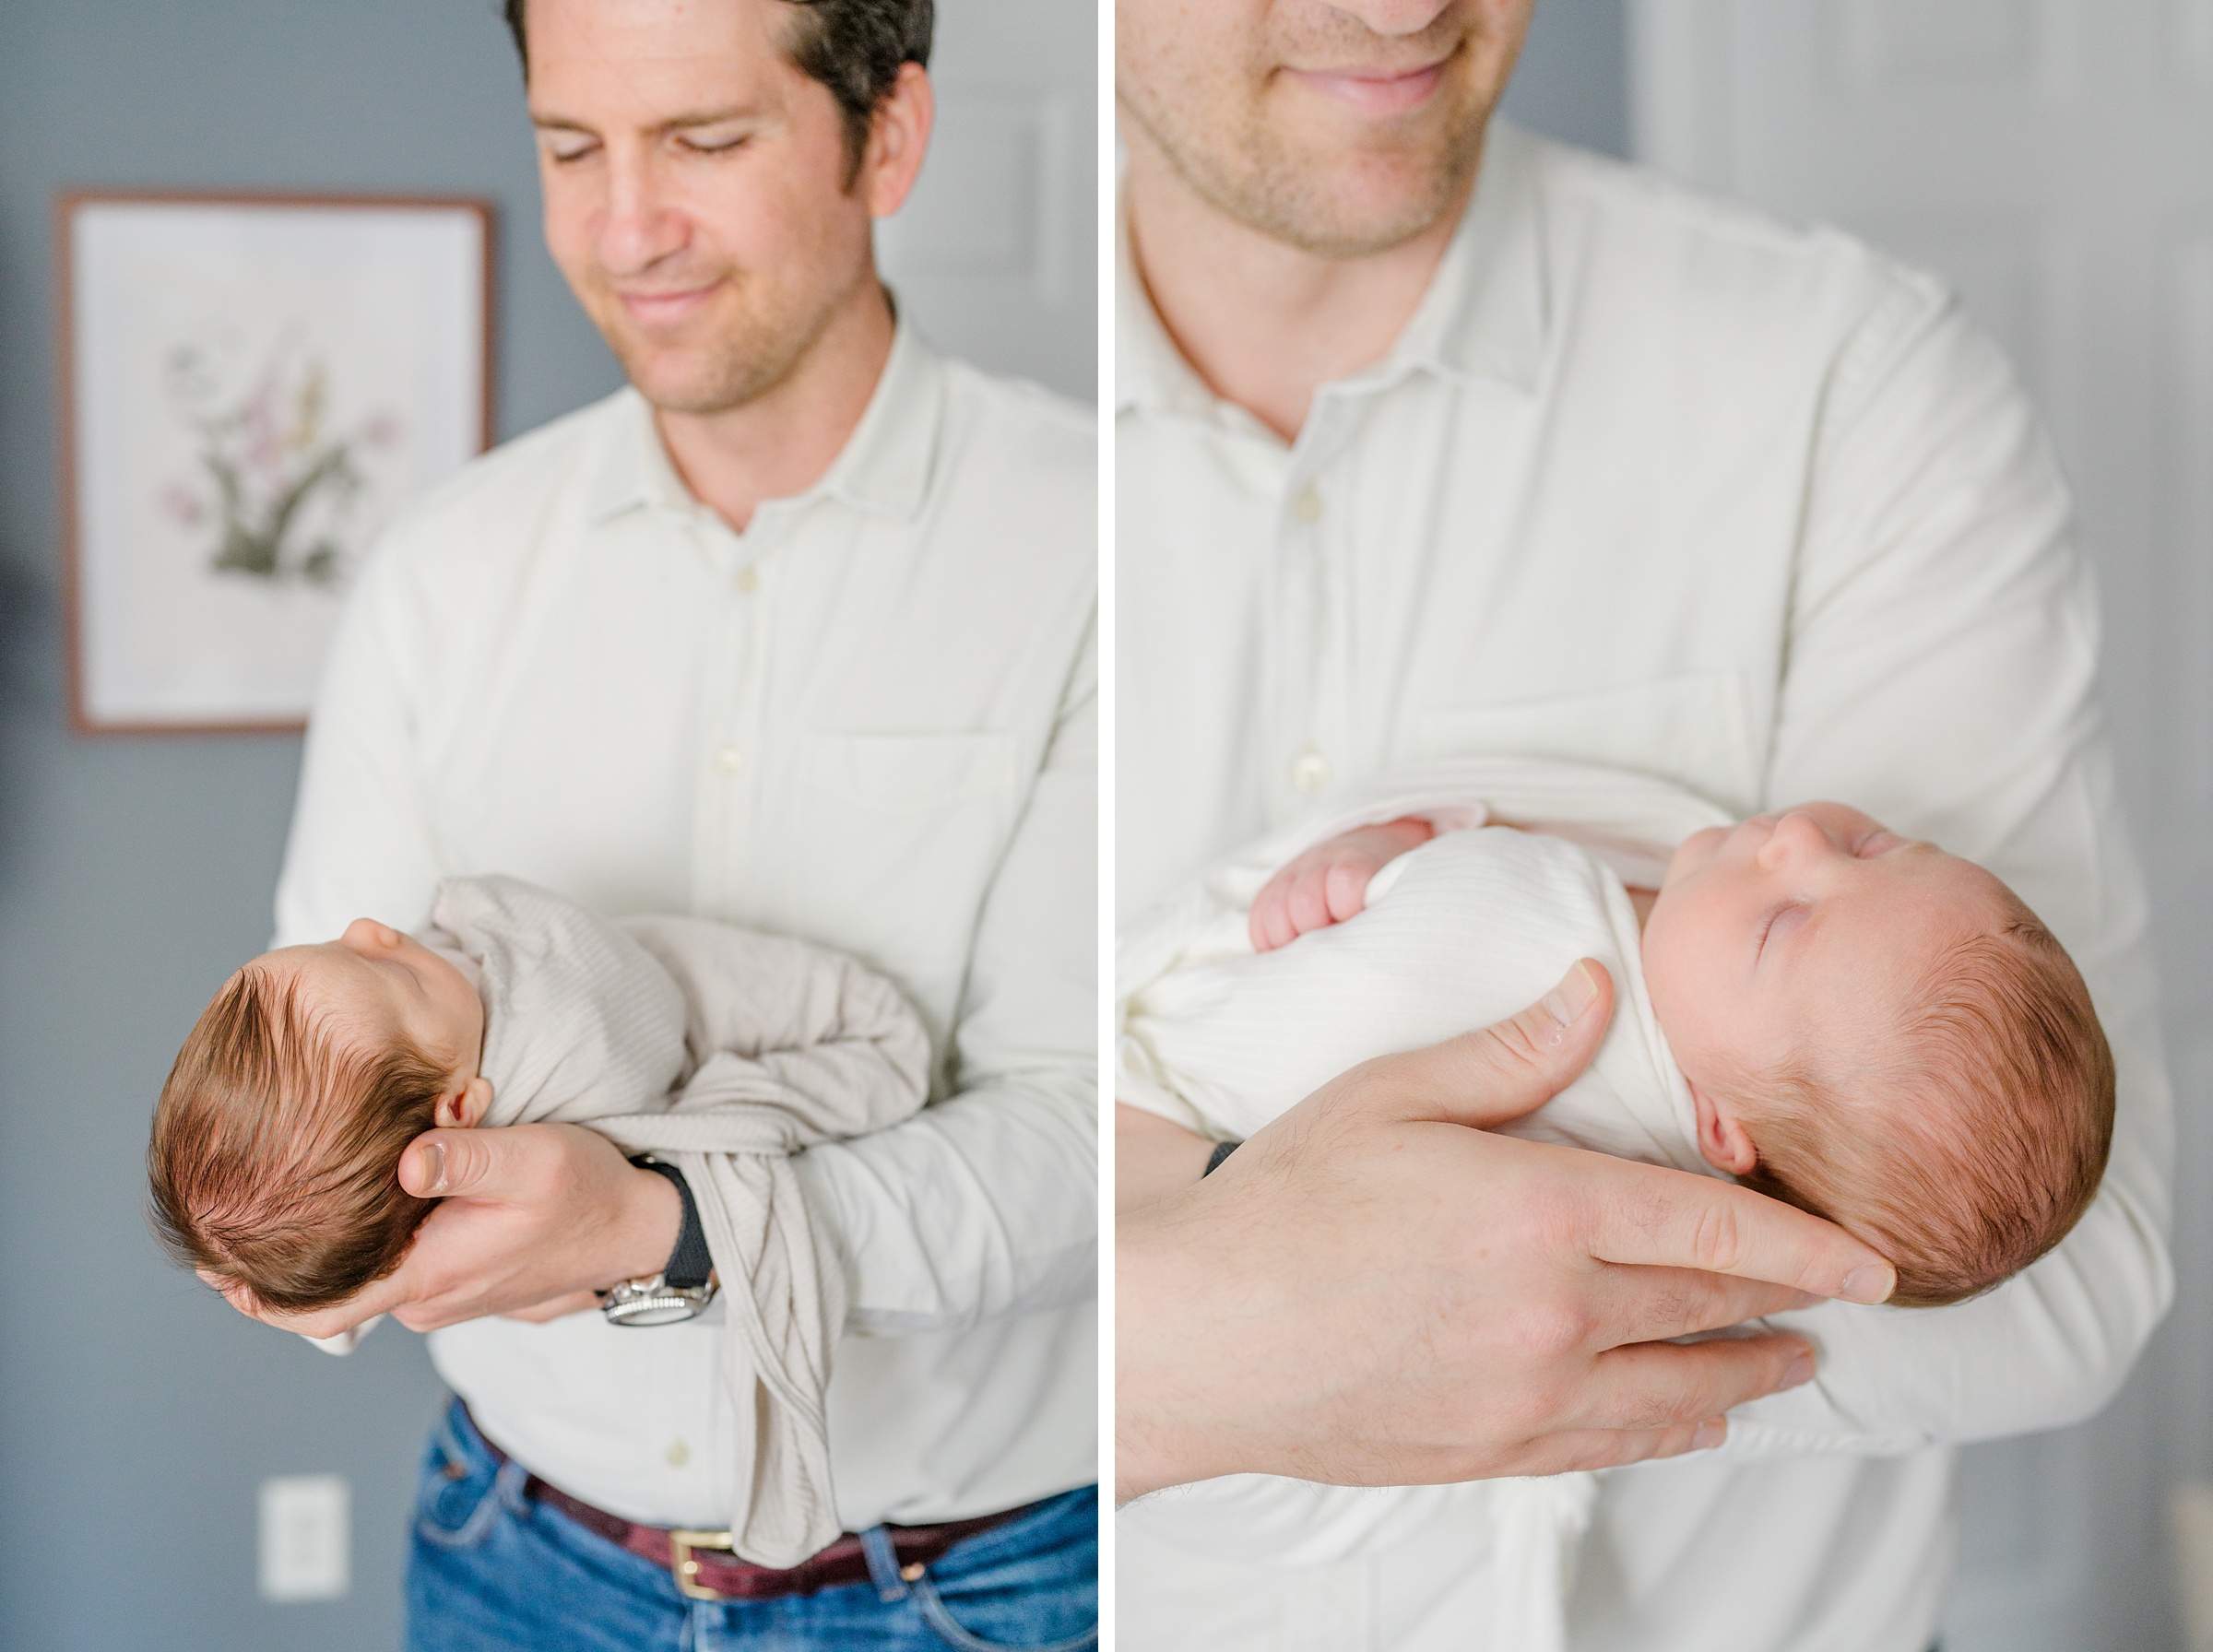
(1329, 883)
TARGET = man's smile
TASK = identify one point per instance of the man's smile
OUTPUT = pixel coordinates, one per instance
(1379, 93)
(665, 308)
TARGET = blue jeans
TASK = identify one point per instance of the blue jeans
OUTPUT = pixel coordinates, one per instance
(491, 1572)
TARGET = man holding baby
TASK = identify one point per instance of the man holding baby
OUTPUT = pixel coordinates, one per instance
(1438, 443)
(795, 633)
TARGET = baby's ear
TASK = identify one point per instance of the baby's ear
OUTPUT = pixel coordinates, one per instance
(1725, 1142)
(463, 1109)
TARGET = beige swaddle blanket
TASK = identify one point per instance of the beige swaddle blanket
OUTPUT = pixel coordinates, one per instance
(723, 1052)
(1469, 929)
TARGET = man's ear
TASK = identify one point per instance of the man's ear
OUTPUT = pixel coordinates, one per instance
(463, 1109)
(1724, 1141)
(898, 138)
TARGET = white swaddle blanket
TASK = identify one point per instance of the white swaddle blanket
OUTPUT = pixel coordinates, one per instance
(722, 1051)
(1465, 930)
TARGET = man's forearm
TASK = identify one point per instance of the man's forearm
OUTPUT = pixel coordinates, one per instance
(1153, 1158)
(983, 1205)
(1149, 1451)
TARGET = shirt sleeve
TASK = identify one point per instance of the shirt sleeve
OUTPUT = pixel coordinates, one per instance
(362, 843)
(986, 1204)
(1942, 674)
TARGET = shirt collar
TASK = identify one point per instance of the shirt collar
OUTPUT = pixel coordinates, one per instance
(1483, 315)
(883, 466)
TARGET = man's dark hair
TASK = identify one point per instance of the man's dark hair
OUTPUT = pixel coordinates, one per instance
(854, 47)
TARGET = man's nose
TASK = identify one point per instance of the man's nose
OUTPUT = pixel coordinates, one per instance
(1393, 17)
(640, 225)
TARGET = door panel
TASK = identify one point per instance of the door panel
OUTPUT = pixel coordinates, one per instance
(994, 255)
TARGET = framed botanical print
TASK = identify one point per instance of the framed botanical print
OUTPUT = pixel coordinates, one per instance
(251, 387)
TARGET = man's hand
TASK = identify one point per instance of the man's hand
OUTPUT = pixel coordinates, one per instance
(1375, 1290)
(1329, 883)
(534, 1219)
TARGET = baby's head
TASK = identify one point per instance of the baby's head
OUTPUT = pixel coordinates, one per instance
(1884, 1035)
(277, 1141)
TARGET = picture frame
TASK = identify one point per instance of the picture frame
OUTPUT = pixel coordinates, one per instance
(251, 387)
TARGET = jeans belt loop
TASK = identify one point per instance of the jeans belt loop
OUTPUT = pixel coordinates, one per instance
(884, 1570)
(510, 1487)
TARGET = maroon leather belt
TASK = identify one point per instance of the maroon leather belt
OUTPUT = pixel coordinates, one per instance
(704, 1567)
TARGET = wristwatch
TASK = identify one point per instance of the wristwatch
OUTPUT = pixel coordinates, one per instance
(683, 1289)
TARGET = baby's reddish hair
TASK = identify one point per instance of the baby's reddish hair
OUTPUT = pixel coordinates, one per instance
(1983, 1134)
(276, 1148)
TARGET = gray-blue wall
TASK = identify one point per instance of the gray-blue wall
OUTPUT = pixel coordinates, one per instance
(1573, 79)
(137, 1415)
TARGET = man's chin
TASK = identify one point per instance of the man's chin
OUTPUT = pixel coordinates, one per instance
(673, 382)
(1335, 204)
(1353, 222)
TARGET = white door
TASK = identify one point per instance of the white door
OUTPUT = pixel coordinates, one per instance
(2053, 159)
(994, 254)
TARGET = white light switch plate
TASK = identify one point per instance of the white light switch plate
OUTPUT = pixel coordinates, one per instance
(305, 1538)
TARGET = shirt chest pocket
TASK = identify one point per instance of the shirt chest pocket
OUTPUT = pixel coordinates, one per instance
(1694, 729)
(896, 837)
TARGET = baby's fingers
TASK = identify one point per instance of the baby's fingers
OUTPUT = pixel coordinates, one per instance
(1269, 925)
(1306, 899)
(1344, 888)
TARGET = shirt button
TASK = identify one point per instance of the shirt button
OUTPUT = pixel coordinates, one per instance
(1310, 772)
(678, 1455)
(729, 760)
(1306, 507)
(749, 580)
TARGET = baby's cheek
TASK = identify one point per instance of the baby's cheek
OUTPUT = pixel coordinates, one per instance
(1692, 1009)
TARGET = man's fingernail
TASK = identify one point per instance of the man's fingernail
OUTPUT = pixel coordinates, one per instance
(1711, 1433)
(433, 1165)
(1801, 1372)
(1871, 1283)
(1567, 1002)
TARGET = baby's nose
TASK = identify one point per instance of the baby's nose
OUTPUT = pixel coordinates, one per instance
(1796, 837)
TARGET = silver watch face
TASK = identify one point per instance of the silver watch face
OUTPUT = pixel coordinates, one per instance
(649, 1302)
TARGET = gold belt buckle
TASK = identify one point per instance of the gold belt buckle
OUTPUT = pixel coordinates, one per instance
(685, 1570)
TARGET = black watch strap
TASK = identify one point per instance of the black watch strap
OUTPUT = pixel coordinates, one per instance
(689, 1263)
(1213, 1159)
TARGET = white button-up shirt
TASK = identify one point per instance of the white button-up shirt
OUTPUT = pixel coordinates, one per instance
(1650, 481)
(868, 720)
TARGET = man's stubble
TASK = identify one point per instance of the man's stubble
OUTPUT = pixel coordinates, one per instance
(1324, 202)
(754, 351)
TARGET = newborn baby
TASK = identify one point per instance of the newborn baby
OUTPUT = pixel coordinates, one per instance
(1851, 1021)
(1869, 1028)
(277, 1140)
